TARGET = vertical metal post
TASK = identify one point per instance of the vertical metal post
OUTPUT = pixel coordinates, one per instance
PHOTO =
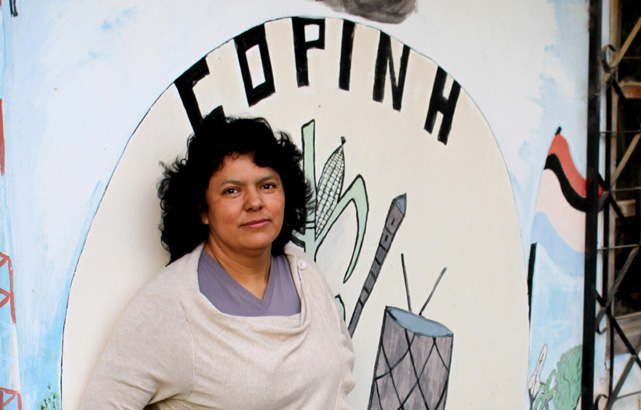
(608, 227)
(592, 205)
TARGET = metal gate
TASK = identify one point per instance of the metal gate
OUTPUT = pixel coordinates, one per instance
(613, 203)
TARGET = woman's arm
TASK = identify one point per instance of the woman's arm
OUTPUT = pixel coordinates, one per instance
(150, 357)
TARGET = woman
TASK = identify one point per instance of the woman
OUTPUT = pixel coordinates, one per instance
(239, 319)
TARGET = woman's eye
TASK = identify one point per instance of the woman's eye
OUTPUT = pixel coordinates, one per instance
(269, 185)
(230, 191)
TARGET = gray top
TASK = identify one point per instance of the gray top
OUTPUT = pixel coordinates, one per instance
(228, 296)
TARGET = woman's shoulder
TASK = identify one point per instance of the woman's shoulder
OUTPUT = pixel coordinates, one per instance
(306, 266)
(176, 279)
(320, 291)
(299, 259)
(295, 251)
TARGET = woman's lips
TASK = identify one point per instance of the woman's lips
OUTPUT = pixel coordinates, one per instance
(256, 223)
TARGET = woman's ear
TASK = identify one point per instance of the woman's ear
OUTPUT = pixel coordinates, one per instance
(203, 215)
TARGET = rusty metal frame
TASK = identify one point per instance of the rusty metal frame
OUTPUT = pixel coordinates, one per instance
(606, 202)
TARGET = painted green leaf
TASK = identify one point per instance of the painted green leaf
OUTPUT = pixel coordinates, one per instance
(568, 379)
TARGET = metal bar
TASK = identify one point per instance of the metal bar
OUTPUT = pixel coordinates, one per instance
(618, 56)
(630, 189)
(622, 164)
(617, 208)
(617, 89)
(628, 345)
(605, 277)
(613, 248)
(592, 205)
(624, 270)
(610, 131)
(624, 160)
(634, 393)
(637, 211)
(611, 159)
(614, 394)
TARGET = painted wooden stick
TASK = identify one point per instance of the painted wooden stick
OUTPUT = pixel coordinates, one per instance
(407, 285)
(432, 292)
(394, 218)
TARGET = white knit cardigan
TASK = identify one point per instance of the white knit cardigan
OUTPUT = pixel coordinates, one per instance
(172, 349)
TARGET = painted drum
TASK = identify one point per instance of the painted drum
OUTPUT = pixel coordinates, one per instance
(413, 363)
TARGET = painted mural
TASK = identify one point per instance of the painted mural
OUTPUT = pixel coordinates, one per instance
(386, 11)
(300, 74)
(425, 202)
(10, 396)
(555, 283)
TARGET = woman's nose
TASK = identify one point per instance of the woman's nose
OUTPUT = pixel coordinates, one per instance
(254, 200)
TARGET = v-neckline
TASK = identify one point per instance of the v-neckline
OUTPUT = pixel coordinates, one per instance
(294, 323)
(265, 302)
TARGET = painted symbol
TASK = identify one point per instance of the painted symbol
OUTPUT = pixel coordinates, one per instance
(7, 296)
(7, 396)
(393, 221)
(329, 201)
(414, 359)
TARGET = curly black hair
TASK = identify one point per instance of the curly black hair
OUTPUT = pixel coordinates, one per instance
(184, 184)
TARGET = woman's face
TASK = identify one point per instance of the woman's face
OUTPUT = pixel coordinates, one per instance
(246, 206)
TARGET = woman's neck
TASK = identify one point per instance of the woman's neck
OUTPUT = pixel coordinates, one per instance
(251, 271)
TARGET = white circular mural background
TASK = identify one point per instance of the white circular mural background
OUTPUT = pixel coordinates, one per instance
(409, 184)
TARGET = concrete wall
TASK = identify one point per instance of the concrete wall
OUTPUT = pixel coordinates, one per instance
(456, 131)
